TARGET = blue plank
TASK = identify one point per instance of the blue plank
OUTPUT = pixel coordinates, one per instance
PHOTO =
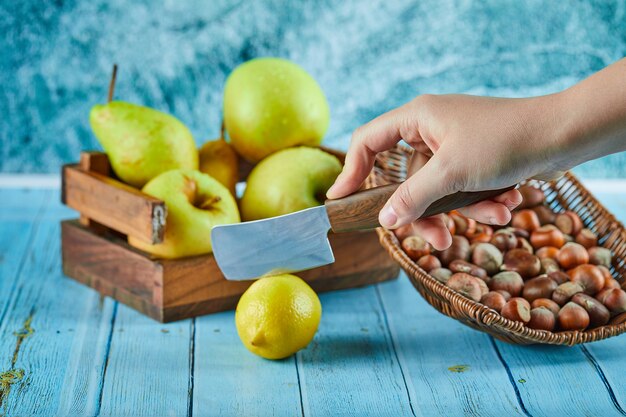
(350, 367)
(431, 347)
(230, 381)
(52, 335)
(22, 201)
(557, 380)
(20, 214)
(148, 370)
(608, 357)
(81, 387)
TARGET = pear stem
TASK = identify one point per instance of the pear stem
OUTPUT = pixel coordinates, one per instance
(223, 130)
(112, 83)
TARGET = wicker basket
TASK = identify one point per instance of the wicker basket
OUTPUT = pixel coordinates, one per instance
(567, 193)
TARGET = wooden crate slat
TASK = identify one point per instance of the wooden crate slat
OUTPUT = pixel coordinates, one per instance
(98, 260)
(95, 162)
(114, 204)
(169, 290)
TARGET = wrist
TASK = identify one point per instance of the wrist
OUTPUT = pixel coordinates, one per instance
(554, 130)
(590, 118)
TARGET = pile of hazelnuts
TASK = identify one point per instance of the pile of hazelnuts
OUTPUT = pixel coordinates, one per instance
(544, 269)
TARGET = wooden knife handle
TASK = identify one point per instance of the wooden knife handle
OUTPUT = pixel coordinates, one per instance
(359, 211)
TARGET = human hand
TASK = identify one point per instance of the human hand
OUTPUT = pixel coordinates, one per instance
(461, 143)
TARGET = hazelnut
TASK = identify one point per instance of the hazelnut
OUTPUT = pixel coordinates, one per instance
(522, 243)
(459, 249)
(573, 317)
(404, 231)
(602, 294)
(571, 255)
(525, 219)
(488, 257)
(480, 238)
(505, 294)
(600, 256)
(415, 247)
(540, 287)
(516, 309)
(522, 262)
(531, 196)
(504, 240)
(479, 229)
(598, 314)
(545, 214)
(547, 252)
(494, 300)
(428, 263)
(587, 238)
(483, 229)
(564, 292)
(605, 272)
(471, 227)
(547, 236)
(508, 281)
(549, 265)
(546, 303)
(611, 283)
(441, 274)
(466, 285)
(463, 225)
(569, 223)
(520, 232)
(449, 223)
(484, 289)
(615, 301)
(459, 265)
(559, 277)
(542, 319)
(588, 276)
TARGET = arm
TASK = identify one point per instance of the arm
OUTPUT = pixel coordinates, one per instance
(467, 143)
(592, 116)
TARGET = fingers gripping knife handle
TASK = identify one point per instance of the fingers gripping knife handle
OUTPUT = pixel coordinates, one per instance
(359, 211)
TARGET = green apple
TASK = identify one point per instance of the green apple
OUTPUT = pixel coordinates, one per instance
(142, 142)
(195, 203)
(271, 104)
(289, 180)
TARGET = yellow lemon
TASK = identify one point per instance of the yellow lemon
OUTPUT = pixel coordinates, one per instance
(277, 316)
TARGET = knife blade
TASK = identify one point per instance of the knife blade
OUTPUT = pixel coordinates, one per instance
(298, 241)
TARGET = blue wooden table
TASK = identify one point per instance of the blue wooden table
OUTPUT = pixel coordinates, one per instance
(379, 351)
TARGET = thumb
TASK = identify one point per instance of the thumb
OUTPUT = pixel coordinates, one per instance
(414, 195)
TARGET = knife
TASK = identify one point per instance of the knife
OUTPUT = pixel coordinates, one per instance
(297, 241)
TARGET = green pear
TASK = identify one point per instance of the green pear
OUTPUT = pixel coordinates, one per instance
(271, 104)
(289, 180)
(142, 142)
(195, 203)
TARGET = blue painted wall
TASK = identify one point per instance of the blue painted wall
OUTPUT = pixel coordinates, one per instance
(56, 56)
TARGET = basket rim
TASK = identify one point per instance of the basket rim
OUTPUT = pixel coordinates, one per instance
(483, 316)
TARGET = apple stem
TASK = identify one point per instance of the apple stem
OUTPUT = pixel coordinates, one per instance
(112, 83)
(206, 204)
(223, 130)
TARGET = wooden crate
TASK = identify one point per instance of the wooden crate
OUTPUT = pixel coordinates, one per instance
(95, 251)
